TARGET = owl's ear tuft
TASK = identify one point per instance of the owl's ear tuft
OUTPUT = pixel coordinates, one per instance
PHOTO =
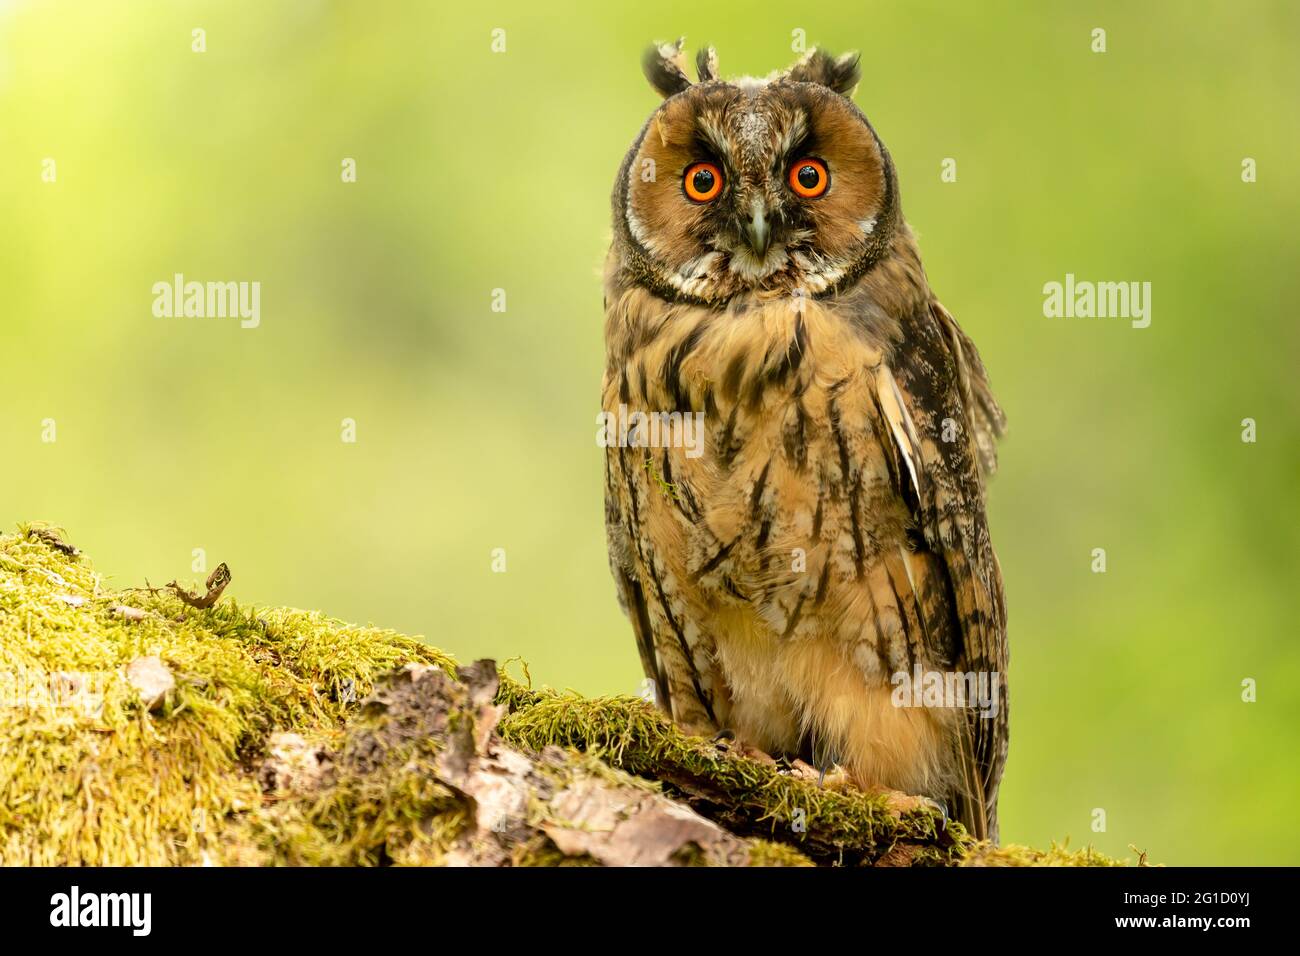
(706, 64)
(664, 65)
(840, 73)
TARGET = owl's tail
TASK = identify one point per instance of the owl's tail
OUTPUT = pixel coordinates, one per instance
(968, 804)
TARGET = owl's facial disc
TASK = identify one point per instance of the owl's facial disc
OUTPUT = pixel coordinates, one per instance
(756, 187)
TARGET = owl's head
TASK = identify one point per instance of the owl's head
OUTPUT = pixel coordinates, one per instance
(775, 186)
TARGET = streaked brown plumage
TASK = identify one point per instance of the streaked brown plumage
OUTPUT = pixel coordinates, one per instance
(832, 533)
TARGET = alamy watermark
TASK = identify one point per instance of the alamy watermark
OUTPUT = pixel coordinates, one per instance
(1076, 299)
(208, 300)
(31, 689)
(638, 429)
(74, 908)
(977, 690)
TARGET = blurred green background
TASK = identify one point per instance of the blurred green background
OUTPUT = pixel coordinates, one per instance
(475, 429)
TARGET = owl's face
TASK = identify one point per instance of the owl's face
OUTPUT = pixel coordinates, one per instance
(775, 186)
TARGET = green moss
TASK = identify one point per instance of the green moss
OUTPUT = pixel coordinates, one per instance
(632, 735)
(769, 853)
(539, 851)
(89, 775)
(1056, 855)
(398, 814)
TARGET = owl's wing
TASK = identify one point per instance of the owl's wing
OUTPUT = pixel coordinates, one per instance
(987, 420)
(631, 595)
(937, 383)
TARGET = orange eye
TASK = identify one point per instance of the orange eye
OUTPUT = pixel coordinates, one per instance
(809, 178)
(702, 182)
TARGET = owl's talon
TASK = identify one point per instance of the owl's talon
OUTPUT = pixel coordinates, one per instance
(830, 777)
(942, 808)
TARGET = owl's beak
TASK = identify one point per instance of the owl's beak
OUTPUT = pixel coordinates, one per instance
(757, 231)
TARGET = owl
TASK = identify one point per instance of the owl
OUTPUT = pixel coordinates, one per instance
(797, 436)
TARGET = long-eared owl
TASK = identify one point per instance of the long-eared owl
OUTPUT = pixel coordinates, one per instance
(799, 434)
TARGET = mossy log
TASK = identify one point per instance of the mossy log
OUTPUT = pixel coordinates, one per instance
(155, 726)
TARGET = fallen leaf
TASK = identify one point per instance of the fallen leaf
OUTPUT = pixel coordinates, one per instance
(51, 537)
(152, 680)
(216, 583)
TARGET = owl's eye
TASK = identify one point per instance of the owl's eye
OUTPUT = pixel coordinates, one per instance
(809, 178)
(702, 182)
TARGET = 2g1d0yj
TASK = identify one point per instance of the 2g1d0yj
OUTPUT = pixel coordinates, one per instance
(1220, 897)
